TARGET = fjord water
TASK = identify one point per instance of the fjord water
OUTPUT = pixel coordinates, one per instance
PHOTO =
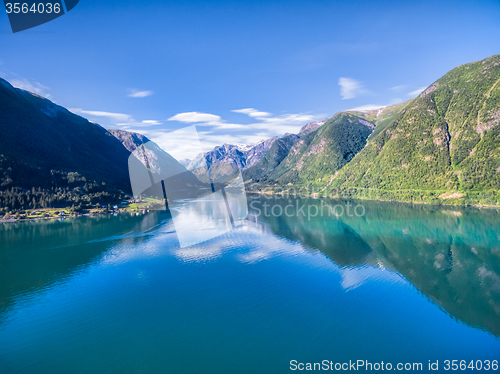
(402, 283)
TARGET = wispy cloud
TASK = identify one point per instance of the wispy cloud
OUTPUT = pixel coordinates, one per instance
(151, 122)
(283, 123)
(367, 107)
(35, 87)
(269, 124)
(376, 106)
(181, 144)
(195, 117)
(398, 88)
(137, 93)
(213, 130)
(252, 112)
(350, 88)
(417, 91)
(133, 123)
(115, 117)
(122, 120)
(319, 56)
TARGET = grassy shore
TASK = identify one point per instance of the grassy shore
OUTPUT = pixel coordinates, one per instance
(55, 213)
(488, 198)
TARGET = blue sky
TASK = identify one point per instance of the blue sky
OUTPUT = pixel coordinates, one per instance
(242, 71)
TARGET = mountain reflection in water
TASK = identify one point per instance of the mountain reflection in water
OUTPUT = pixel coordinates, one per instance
(120, 294)
(450, 254)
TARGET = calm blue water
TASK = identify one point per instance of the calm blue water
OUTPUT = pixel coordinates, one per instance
(399, 284)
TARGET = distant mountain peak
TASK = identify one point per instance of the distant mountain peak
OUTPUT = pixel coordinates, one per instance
(244, 147)
(185, 162)
(131, 140)
(40, 137)
(311, 126)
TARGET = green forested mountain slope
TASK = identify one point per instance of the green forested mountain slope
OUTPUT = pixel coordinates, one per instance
(314, 157)
(383, 117)
(443, 146)
(278, 151)
(41, 143)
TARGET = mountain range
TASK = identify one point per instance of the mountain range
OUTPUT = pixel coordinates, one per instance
(441, 147)
(321, 152)
(224, 161)
(44, 145)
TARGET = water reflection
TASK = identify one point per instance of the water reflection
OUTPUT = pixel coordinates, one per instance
(119, 294)
(207, 217)
(451, 255)
(35, 254)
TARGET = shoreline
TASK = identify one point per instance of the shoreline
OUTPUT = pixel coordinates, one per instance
(271, 193)
(92, 214)
(136, 207)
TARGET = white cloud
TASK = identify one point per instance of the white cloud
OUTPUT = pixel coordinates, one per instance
(210, 140)
(131, 123)
(398, 88)
(375, 106)
(212, 129)
(183, 143)
(367, 107)
(252, 112)
(136, 93)
(195, 117)
(290, 119)
(35, 87)
(350, 88)
(281, 124)
(125, 121)
(208, 120)
(417, 91)
(116, 117)
(272, 125)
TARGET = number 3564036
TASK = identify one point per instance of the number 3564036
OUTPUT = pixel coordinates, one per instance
(34, 8)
